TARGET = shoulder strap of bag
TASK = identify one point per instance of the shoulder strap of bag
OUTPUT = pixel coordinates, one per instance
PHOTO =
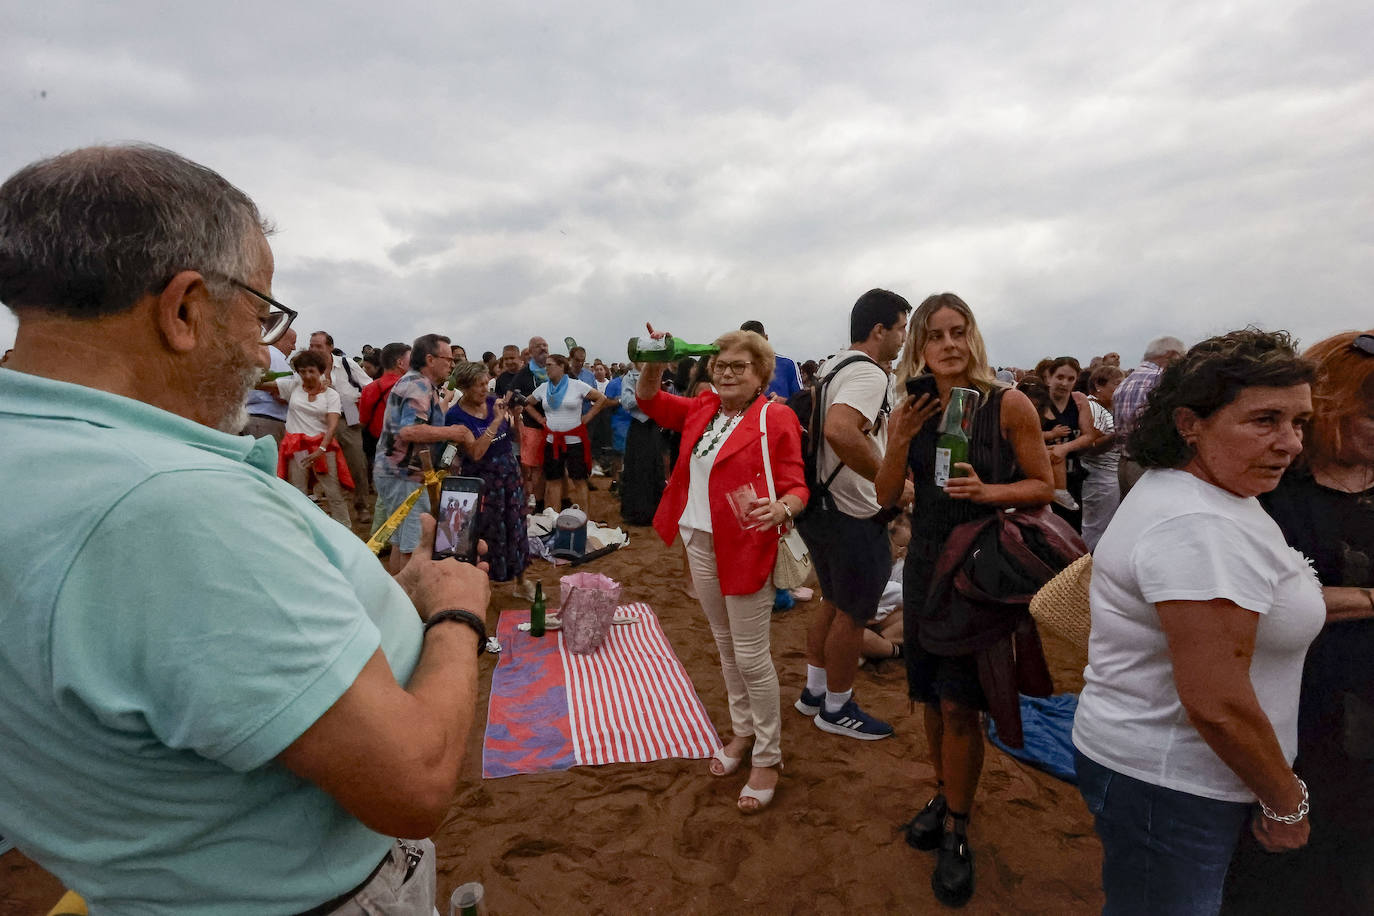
(818, 435)
(763, 439)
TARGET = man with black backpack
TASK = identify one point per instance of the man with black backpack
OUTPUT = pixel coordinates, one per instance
(847, 540)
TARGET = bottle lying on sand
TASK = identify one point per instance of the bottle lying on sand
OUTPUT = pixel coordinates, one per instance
(667, 349)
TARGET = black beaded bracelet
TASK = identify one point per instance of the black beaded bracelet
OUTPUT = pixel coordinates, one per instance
(467, 618)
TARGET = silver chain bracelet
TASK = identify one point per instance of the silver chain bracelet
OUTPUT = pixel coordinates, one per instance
(1296, 816)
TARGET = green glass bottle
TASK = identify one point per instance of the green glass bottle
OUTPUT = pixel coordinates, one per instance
(951, 447)
(537, 610)
(273, 376)
(666, 349)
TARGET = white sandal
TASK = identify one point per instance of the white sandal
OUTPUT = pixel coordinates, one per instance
(764, 797)
(728, 764)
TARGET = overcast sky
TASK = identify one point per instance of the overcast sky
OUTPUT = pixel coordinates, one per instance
(1086, 177)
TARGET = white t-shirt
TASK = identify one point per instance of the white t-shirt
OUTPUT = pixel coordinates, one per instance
(569, 413)
(1107, 461)
(349, 380)
(1177, 538)
(861, 385)
(304, 416)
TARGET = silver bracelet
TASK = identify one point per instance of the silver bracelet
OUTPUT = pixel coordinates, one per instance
(785, 509)
(1296, 816)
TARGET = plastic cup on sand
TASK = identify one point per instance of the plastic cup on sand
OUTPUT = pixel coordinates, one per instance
(467, 900)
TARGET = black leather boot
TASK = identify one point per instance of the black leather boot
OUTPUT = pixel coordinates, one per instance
(925, 830)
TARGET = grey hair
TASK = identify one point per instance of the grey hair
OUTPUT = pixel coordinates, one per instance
(1161, 346)
(89, 232)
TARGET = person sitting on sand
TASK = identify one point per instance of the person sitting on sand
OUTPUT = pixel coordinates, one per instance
(882, 638)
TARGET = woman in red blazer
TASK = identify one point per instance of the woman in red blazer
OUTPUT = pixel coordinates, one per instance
(721, 454)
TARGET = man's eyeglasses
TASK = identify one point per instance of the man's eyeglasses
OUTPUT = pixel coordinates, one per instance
(1364, 343)
(276, 321)
(735, 368)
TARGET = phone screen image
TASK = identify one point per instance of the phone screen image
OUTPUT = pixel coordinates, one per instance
(455, 529)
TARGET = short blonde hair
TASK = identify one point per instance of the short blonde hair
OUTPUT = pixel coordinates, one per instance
(760, 351)
(465, 373)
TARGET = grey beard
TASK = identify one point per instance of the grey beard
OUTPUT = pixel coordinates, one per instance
(233, 415)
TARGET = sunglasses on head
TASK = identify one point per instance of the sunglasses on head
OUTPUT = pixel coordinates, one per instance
(1364, 344)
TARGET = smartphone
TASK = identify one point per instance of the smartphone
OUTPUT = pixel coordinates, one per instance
(922, 384)
(455, 531)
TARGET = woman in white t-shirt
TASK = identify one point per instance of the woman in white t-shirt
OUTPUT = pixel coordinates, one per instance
(312, 418)
(557, 404)
(1201, 617)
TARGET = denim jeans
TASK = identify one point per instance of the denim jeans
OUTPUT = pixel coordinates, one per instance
(1164, 852)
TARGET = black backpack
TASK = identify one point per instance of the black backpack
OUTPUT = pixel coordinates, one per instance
(809, 406)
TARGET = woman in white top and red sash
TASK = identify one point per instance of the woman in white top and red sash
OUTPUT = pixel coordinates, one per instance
(312, 418)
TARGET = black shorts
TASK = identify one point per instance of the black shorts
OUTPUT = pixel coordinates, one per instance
(573, 460)
(852, 557)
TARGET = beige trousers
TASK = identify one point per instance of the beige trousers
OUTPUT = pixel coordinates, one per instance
(333, 491)
(740, 625)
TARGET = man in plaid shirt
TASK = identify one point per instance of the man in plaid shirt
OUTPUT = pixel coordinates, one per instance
(1129, 401)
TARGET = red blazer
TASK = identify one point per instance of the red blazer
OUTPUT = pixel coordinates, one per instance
(744, 559)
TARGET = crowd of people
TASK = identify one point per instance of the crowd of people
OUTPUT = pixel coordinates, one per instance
(281, 684)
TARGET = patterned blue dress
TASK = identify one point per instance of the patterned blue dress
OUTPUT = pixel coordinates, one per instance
(501, 522)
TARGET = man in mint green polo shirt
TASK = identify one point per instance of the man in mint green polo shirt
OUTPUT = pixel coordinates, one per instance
(215, 698)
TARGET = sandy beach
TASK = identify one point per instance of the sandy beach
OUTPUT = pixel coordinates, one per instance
(665, 837)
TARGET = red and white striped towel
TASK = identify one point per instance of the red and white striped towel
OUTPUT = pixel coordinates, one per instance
(631, 701)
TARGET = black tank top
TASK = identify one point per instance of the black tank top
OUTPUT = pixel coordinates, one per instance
(1067, 417)
(934, 514)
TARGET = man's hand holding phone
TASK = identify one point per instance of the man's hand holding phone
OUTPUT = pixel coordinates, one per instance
(436, 585)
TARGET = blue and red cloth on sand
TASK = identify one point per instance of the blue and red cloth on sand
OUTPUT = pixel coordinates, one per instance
(630, 701)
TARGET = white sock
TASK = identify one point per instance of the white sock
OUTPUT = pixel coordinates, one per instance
(834, 701)
(815, 679)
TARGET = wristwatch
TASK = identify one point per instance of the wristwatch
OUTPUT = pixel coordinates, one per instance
(468, 618)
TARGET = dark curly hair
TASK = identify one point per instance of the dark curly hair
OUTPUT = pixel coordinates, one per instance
(1206, 379)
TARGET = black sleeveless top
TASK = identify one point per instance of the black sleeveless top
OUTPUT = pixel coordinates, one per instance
(934, 514)
(1067, 417)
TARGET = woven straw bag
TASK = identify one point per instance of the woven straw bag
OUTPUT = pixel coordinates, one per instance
(1061, 604)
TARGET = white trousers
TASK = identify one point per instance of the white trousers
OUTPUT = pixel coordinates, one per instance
(740, 625)
(1101, 496)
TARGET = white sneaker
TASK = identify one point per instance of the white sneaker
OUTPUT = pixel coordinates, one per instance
(597, 472)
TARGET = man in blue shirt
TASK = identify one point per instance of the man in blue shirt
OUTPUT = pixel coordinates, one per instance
(215, 698)
(786, 379)
(267, 411)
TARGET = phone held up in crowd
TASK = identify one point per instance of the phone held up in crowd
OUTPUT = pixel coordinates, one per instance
(455, 532)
